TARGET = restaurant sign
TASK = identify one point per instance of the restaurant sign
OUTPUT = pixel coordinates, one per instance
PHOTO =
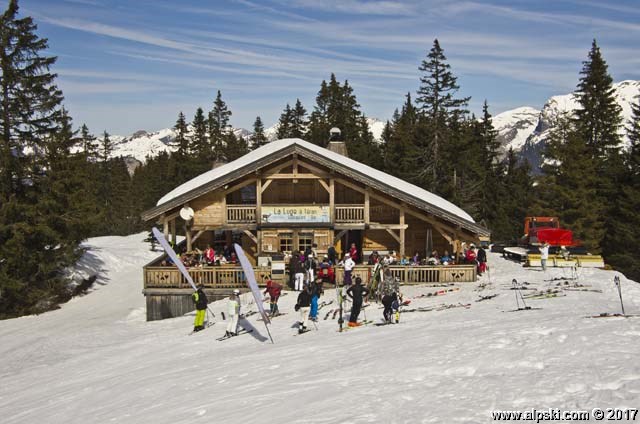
(295, 214)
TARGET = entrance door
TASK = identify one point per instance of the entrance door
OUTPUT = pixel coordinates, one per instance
(352, 236)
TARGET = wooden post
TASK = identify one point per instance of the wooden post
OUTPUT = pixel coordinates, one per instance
(332, 200)
(174, 237)
(259, 249)
(367, 216)
(165, 224)
(259, 202)
(402, 231)
(187, 232)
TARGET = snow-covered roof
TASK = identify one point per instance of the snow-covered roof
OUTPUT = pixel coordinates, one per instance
(394, 184)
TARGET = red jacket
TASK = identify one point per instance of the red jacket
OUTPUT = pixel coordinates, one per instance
(273, 289)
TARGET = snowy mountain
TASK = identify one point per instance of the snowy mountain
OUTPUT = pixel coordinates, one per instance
(96, 360)
(141, 144)
(536, 130)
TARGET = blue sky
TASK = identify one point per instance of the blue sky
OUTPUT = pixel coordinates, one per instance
(126, 65)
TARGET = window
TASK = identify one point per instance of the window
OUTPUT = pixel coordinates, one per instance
(286, 242)
(305, 240)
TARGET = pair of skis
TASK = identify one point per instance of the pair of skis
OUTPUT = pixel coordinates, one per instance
(239, 333)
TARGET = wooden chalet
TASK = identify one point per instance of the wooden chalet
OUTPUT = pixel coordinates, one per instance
(290, 194)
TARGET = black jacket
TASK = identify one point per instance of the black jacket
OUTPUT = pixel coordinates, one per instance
(482, 256)
(202, 301)
(357, 292)
(304, 299)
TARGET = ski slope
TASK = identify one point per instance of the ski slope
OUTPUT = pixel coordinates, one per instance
(96, 360)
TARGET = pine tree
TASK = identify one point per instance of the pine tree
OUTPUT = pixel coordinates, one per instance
(284, 123)
(399, 150)
(298, 121)
(319, 125)
(597, 123)
(218, 127)
(37, 237)
(599, 118)
(437, 103)
(88, 140)
(181, 141)
(621, 239)
(199, 142)
(258, 138)
(235, 147)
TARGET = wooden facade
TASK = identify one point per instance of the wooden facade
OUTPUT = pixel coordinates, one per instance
(287, 200)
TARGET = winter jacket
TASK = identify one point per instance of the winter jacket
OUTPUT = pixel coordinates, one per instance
(273, 289)
(304, 299)
(482, 256)
(357, 292)
(349, 264)
(233, 307)
(200, 299)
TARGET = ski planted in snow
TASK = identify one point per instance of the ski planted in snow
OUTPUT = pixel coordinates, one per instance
(239, 333)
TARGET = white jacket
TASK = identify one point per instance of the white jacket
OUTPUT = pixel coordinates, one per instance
(233, 307)
(349, 264)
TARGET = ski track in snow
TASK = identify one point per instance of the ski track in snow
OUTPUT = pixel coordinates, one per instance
(96, 360)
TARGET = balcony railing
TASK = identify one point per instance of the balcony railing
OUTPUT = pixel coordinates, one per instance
(241, 214)
(232, 276)
(348, 214)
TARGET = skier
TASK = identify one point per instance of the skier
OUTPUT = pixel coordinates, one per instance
(300, 272)
(273, 290)
(482, 260)
(316, 291)
(303, 306)
(388, 301)
(233, 309)
(348, 268)
(544, 255)
(201, 301)
(357, 293)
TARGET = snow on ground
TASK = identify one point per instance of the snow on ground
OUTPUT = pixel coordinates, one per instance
(96, 360)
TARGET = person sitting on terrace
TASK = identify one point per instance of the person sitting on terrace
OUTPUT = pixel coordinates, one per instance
(446, 259)
(210, 255)
(233, 259)
(416, 258)
(221, 260)
(374, 258)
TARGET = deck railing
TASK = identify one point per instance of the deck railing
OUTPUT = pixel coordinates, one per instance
(231, 276)
(349, 213)
(212, 277)
(241, 214)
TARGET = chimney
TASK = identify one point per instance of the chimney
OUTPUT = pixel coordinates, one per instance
(336, 144)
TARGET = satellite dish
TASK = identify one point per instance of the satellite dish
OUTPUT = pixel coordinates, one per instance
(186, 213)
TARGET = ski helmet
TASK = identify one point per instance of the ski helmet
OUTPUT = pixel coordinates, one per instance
(236, 291)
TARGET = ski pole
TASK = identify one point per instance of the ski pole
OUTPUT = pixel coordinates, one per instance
(514, 282)
(616, 281)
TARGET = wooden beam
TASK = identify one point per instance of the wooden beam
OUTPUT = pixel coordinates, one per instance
(165, 224)
(338, 237)
(187, 233)
(265, 185)
(325, 185)
(277, 169)
(259, 200)
(239, 186)
(295, 166)
(395, 236)
(367, 216)
(197, 236)
(174, 237)
(388, 227)
(311, 167)
(251, 236)
(402, 235)
(332, 199)
(296, 176)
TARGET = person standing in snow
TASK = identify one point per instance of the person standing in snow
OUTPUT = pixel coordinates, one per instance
(482, 260)
(303, 306)
(357, 293)
(387, 301)
(349, 264)
(201, 301)
(544, 255)
(273, 290)
(300, 272)
(316, 291)
(233, 310)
